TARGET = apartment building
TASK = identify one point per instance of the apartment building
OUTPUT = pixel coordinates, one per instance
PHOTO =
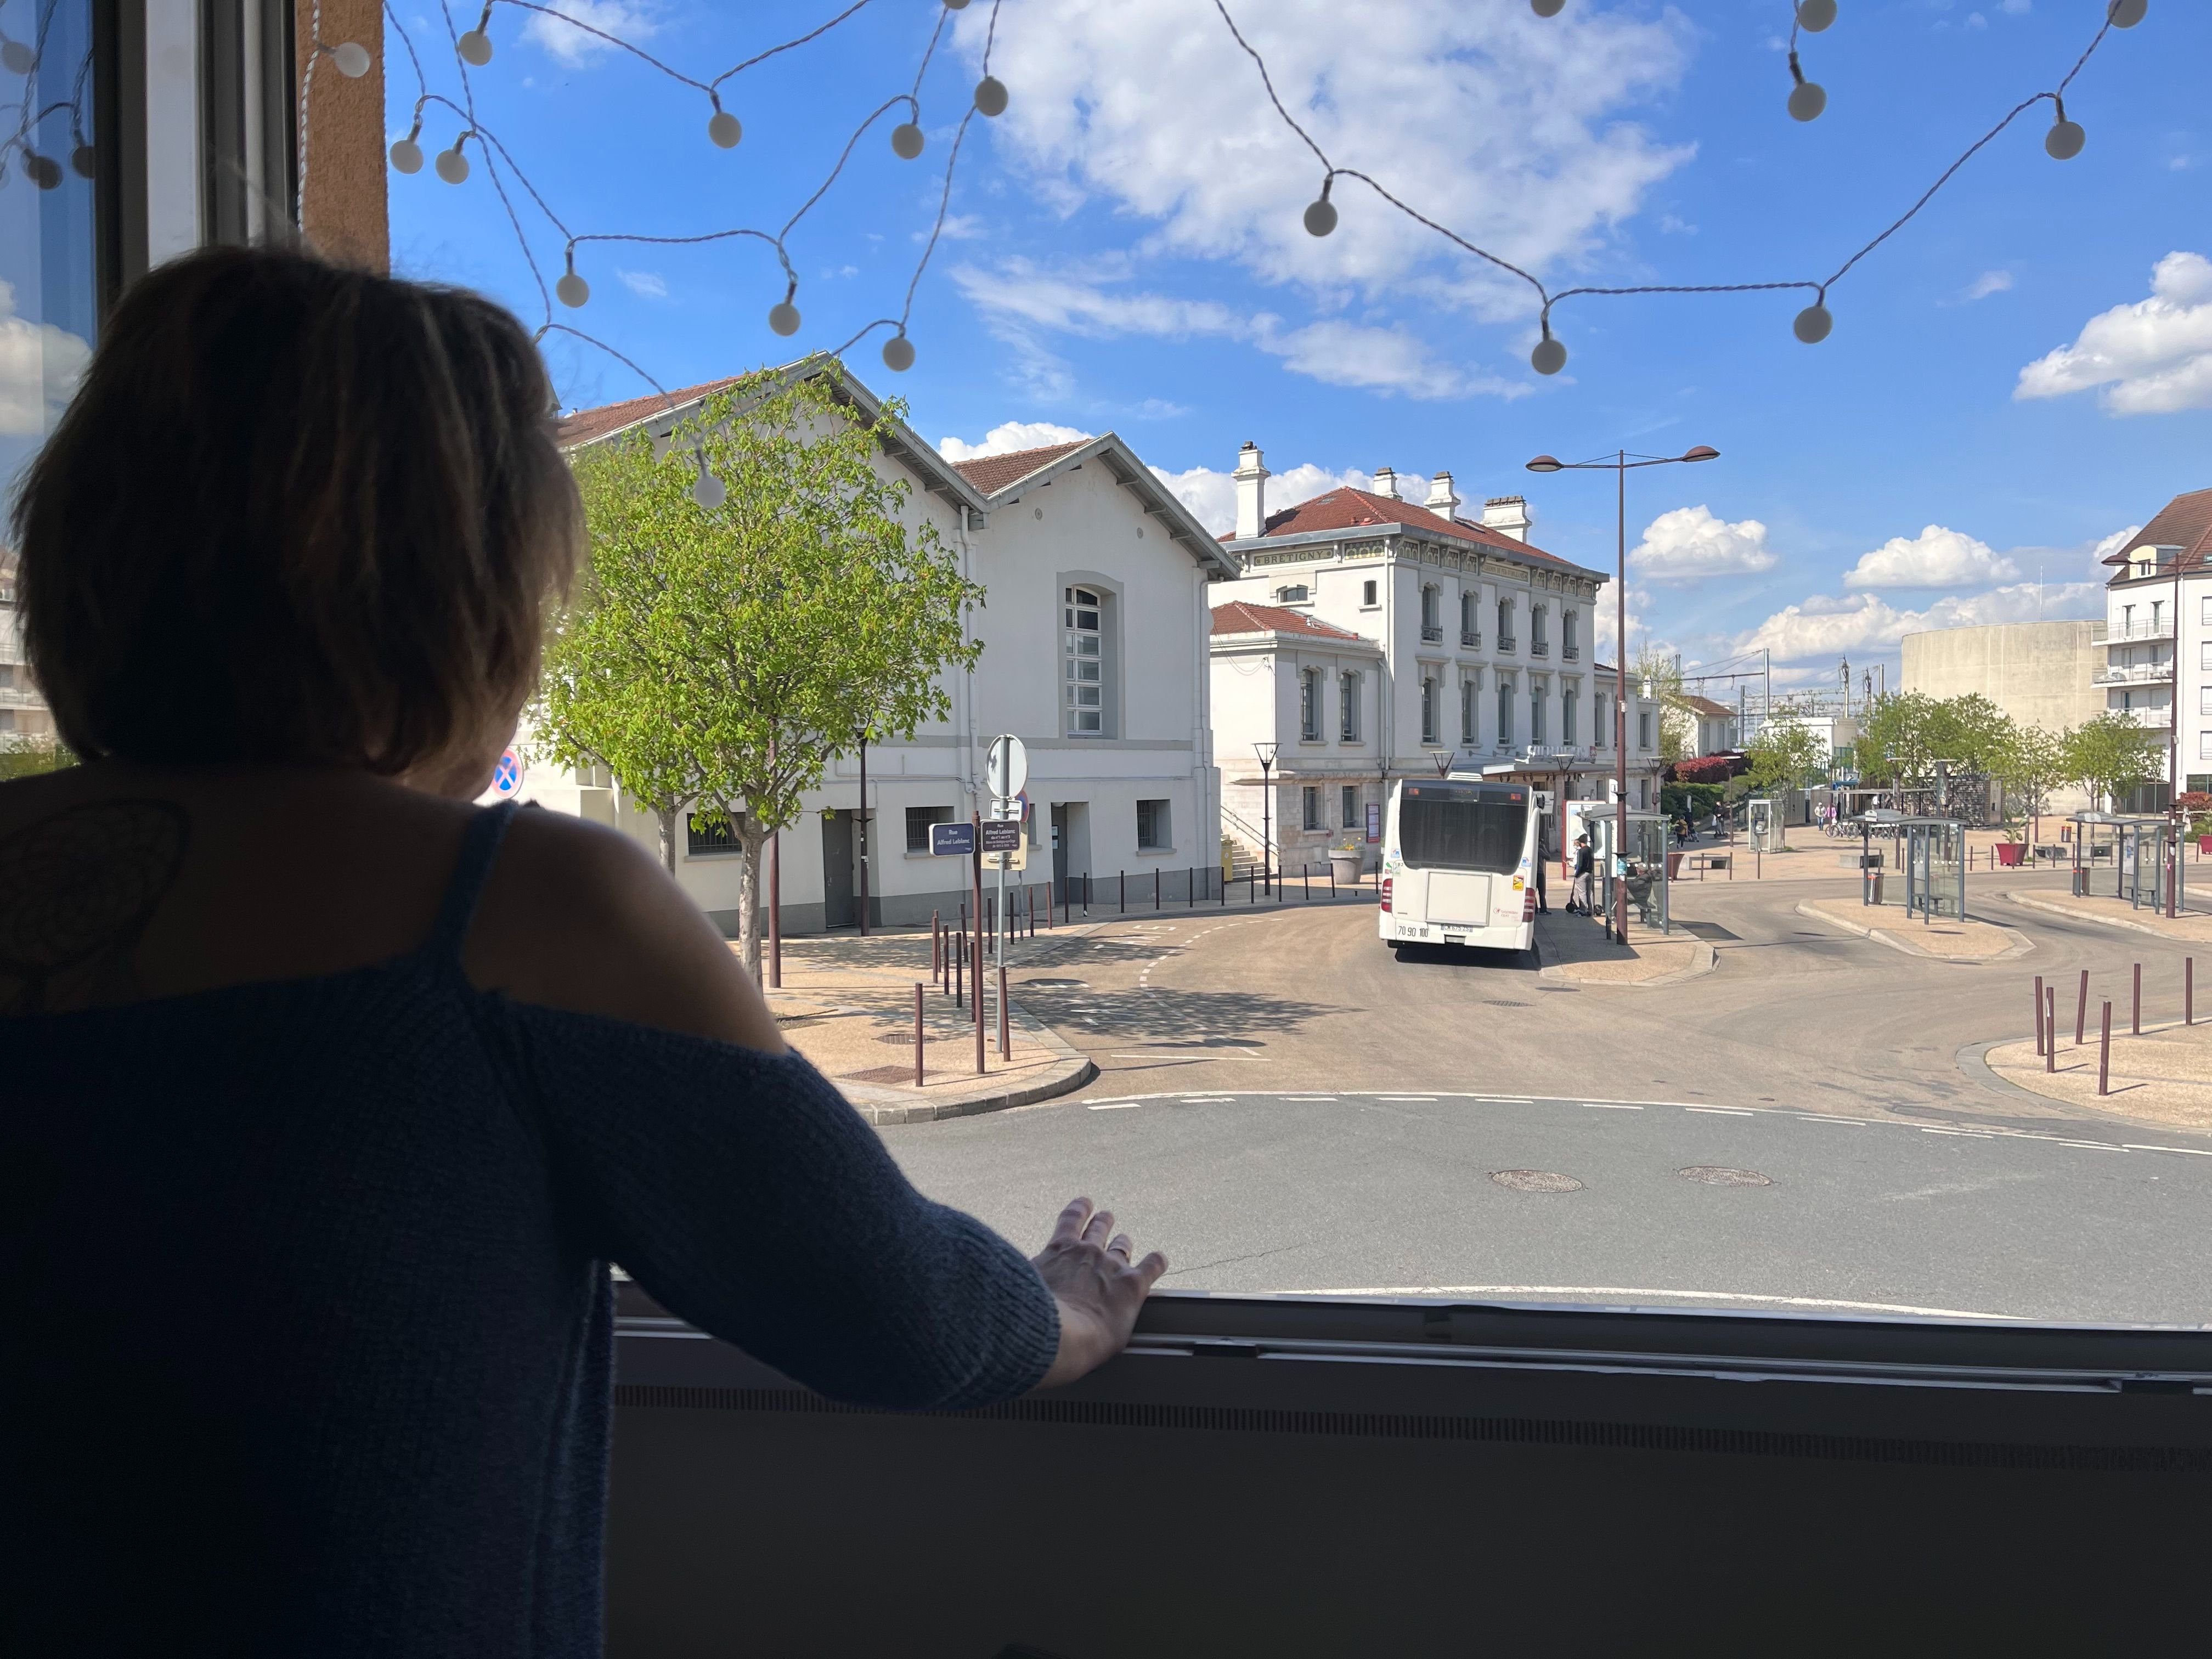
(2156, 665)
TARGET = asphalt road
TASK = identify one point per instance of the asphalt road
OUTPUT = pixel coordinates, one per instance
(1285, 1106)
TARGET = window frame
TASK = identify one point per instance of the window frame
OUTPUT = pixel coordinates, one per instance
(1162, 825)
(1349, 800)
(1310, 807)
(1429, 708)
(1309, 705)
(1073, 634)
(1348, 683)
(921, 849)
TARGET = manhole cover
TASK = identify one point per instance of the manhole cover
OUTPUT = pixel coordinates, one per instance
(1498, 1002)
(1536, 1180)
(882, 1074)
(1713, 1175)
(906, 1038)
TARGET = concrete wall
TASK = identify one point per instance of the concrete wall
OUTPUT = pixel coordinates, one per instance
(2040, 674)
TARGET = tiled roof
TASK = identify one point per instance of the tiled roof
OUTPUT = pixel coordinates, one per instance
(2185, 522)
(1240, 617)
(1346, 508)
(1707, 706)
(587, 425)
(992, 473)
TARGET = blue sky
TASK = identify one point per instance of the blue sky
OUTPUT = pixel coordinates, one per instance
(2007, 383)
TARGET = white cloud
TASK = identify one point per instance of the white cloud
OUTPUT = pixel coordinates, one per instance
(1825, 627)
(634, 21)
(1008, 436)
(1022, 301)
(646, 284)
(2153, 357)
(39, 366)
(1690, 543)
(1988, 283)
(1509, 128)
(1936, 557)
(2017, 8)
(2111, 544)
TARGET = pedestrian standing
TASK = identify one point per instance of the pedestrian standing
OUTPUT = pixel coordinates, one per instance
(1580, 897)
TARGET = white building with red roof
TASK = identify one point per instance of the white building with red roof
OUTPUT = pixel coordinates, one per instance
(2157, 646)
(1443, 643)
(1094, 635)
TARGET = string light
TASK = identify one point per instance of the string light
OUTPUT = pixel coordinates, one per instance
(906, 141)
(1547, 8)
(16, 56)
(350, 58)
(1807, 98)
(1550, 356)
(956, 5)
(707, 489)
(1815, 15)
(784, 318)
(475, 47)
(406, 153)
(898, 353)
(1813, 324)
(991, 95)
(43, 171)
(452, 165)
(572, 290)
(2126, 13)
(724, 128)
(2065, 140)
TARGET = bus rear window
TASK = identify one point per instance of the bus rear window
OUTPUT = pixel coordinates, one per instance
(1486, 833)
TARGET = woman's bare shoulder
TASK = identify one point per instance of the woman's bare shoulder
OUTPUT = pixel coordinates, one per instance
(578, 917)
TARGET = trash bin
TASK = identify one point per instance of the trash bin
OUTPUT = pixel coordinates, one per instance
(1673, 866)
(1874, 888)
(1345, 868)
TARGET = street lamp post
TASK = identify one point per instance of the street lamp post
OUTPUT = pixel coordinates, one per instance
(1619, 463)
(1265, 751)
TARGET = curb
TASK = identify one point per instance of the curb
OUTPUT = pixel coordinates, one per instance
(1972, 1061)
(880, 1105)
(2020, 946)
(1703, 962)
(2072, 914)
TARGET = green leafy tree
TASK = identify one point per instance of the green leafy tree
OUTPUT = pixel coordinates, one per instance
(1782, 753)
(2030, 765)
(2108, 756)
(1894, 740)
(768, 632)
(1678, 724)
(27, 756)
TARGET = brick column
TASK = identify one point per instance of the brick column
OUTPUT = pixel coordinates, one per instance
(341, 137)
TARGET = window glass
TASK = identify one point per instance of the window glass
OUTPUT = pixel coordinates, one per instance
(1085, 660)
(1309, 705)
(1310, 801)
(1152, 828)
(917, 820)
(1350, 805)
(1504, 712)
(1466, 829)
(1428, 709)
(705, 836)
(1348, 708)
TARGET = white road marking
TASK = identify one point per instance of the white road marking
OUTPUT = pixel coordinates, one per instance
(1823, 1117)
(1403, 1099)
(1115, 1105)
(2192, 1152)
(1610, 1106)
(1542, 1290)
(1723, 1111)
(2094, 1146)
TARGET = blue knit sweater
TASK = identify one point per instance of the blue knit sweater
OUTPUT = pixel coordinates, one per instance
(305, 1344)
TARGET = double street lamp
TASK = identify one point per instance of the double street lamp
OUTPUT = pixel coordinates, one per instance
(1618, 463)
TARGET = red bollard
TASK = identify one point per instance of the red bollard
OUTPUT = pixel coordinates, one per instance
(2051, 1022)
(2082, 1010)
(917, 1034)
(936, 942)
(959, 964)
(2039, 1013)
(2104, 1052)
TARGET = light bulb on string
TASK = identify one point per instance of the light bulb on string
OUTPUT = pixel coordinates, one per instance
(991, 96)
(1547, 7)
(898, 353)
(707, 489)
(2065, 140)
(350, 58)
(906, 141)
(724, 128)
(956, 5)
(17, 57)
(41, 170)
(1807, 98)
(1550, 356)
(1320, 213)
(1815, 15)
(406, 153)
(1812, 325)
(2126, 13)
(85, 159)
(572, 290)
(452, 165)
(784, 318)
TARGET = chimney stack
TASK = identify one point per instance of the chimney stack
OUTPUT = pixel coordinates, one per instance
(1251, 491)
(1386, 482)
(1442, 501)
(1508, 515)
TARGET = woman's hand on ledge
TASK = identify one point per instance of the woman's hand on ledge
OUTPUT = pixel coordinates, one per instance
(1087, 1268)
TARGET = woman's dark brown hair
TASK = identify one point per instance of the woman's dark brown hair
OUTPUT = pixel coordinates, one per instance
(296, 514)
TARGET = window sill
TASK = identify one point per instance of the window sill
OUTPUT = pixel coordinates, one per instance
(1155, 852)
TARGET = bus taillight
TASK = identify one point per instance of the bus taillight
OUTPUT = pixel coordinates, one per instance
(1528, 905)
(1386, 896)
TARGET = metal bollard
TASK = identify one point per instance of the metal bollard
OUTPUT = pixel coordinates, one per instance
(1122, 898)
(2081, 1009)
(2039, 1013)
(979, 1005)
(1190, 890)
(1005, 1037)
(2188, 990)
(1156, 887)
(2050, 1021)
(960, 970)
(935, 943)
(2136, 1022)
(917, 1035)
(2104, 1052)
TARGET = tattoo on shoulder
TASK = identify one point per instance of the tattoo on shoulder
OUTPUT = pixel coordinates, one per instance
(77, 890)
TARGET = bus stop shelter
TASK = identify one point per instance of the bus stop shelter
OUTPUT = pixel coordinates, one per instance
(1931, 856)
(1643, 872)
(2132, 850)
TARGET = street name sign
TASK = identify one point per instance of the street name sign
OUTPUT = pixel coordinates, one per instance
(948, 841)
(1002, 834)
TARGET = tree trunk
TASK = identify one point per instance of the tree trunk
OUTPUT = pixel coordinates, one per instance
(752, 838)
(666, 815)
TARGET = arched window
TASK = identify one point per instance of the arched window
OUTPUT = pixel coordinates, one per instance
(1086, 664)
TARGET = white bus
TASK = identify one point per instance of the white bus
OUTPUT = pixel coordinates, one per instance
(1459, 865)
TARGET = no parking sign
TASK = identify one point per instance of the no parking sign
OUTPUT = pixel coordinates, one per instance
(507, 773)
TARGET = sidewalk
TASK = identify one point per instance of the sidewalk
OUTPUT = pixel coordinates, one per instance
(1945, 941)
(1575, 949)
(847, 1005)
(2194, 923)
(2164, 1076)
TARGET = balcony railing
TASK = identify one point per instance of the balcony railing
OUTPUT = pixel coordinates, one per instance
(1571, 652)
(1433, 632)
(1471, 638)
(2146, 673)
(1540, 647)
(2160, 718)
(1505, 642)
(2160, 629)
(18, 697)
